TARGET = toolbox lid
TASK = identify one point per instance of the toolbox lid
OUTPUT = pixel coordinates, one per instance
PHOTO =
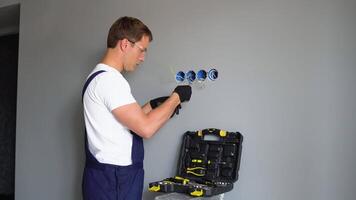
(210, 160)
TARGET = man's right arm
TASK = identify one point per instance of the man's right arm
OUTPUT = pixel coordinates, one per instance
(146, 124)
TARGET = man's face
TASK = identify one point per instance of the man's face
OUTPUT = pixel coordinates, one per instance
(136, 53)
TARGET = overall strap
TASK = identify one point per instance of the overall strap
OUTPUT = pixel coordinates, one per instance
(90, 159)
(91, 77)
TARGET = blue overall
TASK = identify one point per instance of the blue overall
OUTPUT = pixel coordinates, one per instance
(111, 182)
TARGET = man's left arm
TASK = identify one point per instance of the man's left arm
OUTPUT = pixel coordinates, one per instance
(147, 108)
(154, 103)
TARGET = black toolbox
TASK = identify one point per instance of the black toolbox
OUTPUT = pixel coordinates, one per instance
(206, 167)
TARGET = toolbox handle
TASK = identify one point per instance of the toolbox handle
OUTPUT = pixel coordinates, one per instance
(212, 131)
(211, 138)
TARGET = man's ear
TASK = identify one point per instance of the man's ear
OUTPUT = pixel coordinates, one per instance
(123, 44)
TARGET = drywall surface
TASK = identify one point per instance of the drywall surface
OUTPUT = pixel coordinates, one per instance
(286, 82)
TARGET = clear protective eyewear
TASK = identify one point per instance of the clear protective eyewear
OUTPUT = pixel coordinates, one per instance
(142, 50)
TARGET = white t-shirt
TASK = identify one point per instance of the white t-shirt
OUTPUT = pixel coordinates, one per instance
(108, 140)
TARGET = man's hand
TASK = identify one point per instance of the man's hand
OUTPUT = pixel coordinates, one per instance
(184, 92)
(158, 101)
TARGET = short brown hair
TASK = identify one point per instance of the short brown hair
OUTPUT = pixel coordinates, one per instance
(127, 27)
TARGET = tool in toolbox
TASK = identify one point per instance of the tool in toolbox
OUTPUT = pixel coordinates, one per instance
(205, 167)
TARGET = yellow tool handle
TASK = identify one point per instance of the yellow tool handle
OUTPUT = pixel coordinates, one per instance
(184, 180)
(196, 174)
(197, 193)
(155, 188)
(194, 168)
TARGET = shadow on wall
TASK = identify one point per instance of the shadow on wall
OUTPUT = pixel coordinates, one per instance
(8, 93)
(70, 143)
(68, 125)
(72, 136)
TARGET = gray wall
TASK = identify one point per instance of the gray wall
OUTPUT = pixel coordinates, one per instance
(4, 3)
(287, 82)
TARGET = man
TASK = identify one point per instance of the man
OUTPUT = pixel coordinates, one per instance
(114, 155)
